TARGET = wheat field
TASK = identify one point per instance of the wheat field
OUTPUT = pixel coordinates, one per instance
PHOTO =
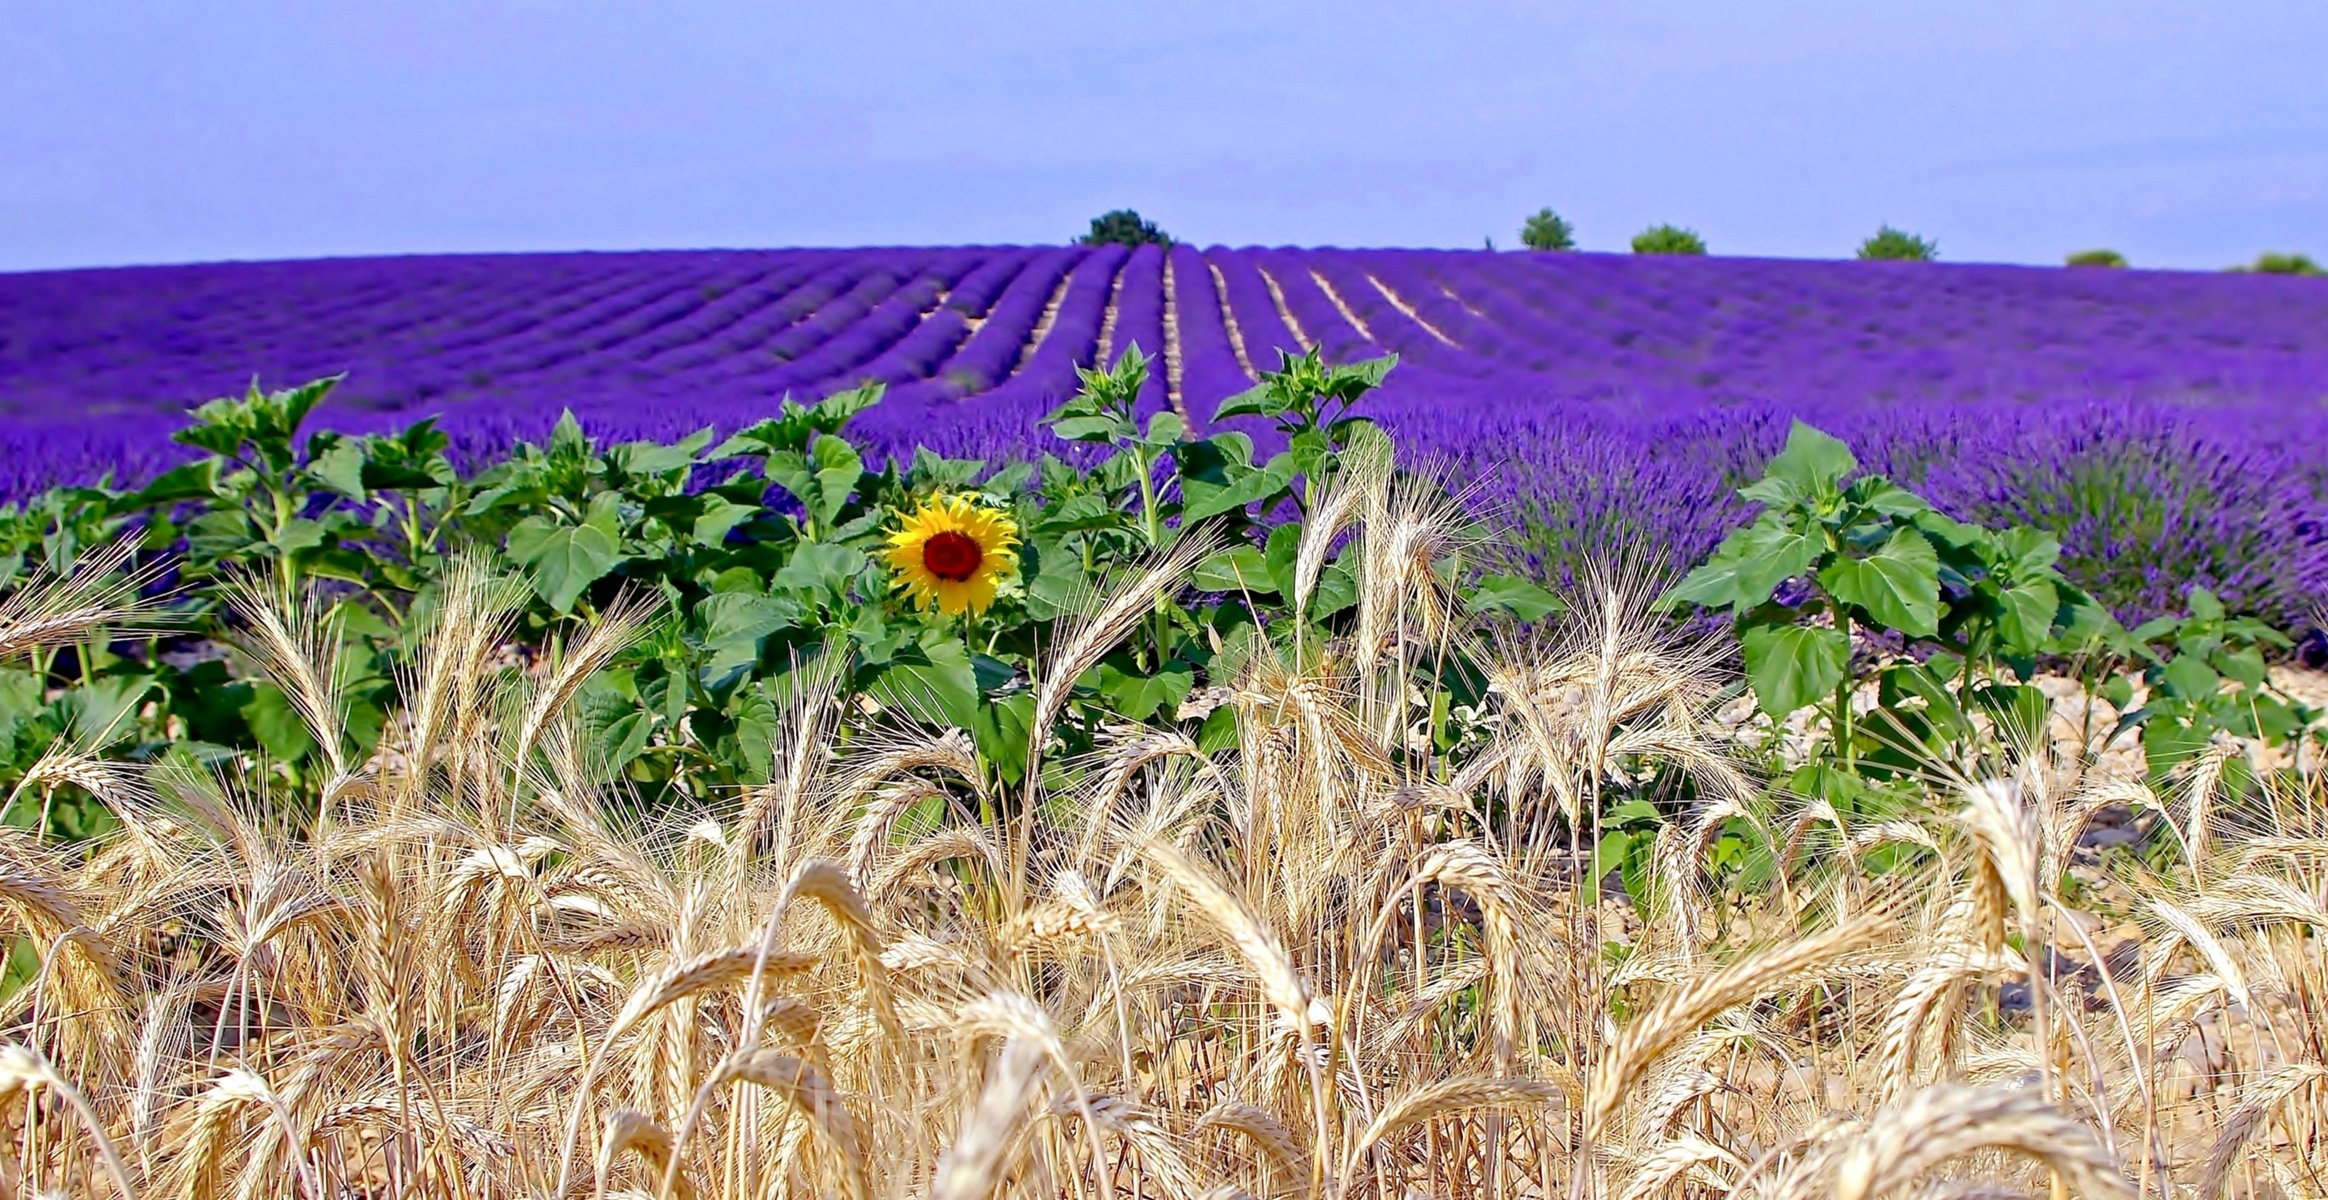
(1324, 961)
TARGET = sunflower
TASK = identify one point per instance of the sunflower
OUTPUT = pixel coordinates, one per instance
(951, 552)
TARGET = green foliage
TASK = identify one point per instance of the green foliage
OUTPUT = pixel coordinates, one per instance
(1833, 552)
(2096, 258)
(763, 549)
(1547, 230)
(2184, 665)
(1123, 227)
(1974, 611)
(1668, 239)
(1898, 245)
(2274, 262)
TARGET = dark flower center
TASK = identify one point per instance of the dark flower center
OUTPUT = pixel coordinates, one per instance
(952, 556)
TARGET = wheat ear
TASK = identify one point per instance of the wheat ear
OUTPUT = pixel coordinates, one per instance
(2263, 1098)
(1940, 1123)
(629, 1129)
(1677, 1014)
(1445, 1098)
(22, 1067)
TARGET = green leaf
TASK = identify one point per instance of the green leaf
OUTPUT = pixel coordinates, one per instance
(1252, 402)
(104, 709)
(1521, 598)
(1001, 729)
(1203, 498)
(21, 698)
(624, 738)
(1337, 590)
(342, 466)
(1054, 579)
(1908, 681)
(297, 534)
(276, 724)
(194, 481)
(2029, 552)
(1885, 498)
(566, 559)
(1102, 427)
(712, 527)
(833, 413)
(1749, 565)
(1714, 582)
(2169, 742)
(1812, 461)
(2020, 711)
(1898, 586)
(2244, 665)
(1822, 781)
(1165, 429)
(1138, 697)
(1282, 551)
(1769, 555)
(1238, 570)
(294, 405)
(1309, 449)
(2190, 678)
(820, 567)
(219, 534)
(2026, 624)
(1794, 666)
(405, 477)
(657, 458)
(1615, 850)
(1219, 731)
(1088, 511)
(933, 681)
(1351, 380)
(758, 724)
(566, 437)
(732, 617)
(838, 468)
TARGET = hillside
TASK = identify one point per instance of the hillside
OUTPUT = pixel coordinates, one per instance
(1591, 391)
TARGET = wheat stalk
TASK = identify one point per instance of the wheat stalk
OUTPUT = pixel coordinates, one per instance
(1679, 1013)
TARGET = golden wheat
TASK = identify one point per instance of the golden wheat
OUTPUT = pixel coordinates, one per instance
(1330, 960)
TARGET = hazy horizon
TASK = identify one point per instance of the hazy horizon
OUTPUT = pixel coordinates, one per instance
(2177, 133)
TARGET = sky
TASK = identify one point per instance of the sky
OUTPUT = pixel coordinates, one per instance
(2183, 133)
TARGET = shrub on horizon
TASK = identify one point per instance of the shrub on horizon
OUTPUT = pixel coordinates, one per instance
(2274, 262)
(1548, 230)
(1668, 239)
(2095, 258)
(1123, 227)
(1898, 245)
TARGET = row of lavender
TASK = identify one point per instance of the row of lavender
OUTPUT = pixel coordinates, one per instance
(2163, 421)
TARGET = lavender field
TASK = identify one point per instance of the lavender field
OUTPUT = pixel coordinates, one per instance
(2169, 425)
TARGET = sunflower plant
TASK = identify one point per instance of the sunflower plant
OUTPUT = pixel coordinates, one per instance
(928, 584)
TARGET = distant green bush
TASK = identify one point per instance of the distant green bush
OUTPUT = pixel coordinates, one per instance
(2096, 258)
(1668, 239)
(1898, 244)
(1123, 227)
(2273, 262)
(1548, 230)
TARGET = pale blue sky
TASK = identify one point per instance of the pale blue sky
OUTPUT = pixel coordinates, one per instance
(2188, 133)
